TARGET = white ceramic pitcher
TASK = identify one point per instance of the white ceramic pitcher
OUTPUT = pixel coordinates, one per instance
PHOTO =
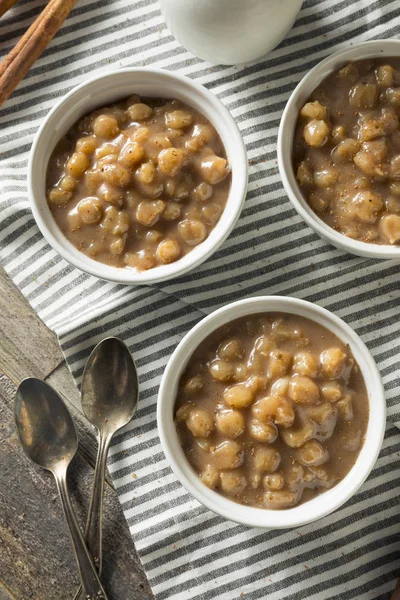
(230, 31)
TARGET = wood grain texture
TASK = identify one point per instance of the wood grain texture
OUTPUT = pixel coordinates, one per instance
(36, 559)
(27, 347)
(38, 354)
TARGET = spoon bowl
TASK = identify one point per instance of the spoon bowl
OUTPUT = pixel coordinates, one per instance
(45, 427)
(110, 386)
(48, 437)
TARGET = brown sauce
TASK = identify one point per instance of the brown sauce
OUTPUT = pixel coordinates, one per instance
(271, 410)
(346, 150)
(139, 183)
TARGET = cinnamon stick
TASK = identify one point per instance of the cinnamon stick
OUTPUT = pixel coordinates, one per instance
(5, 5)
(14, 52)
(31, 45)
(396, 592)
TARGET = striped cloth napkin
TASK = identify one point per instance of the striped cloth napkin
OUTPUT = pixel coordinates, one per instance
(188, 552)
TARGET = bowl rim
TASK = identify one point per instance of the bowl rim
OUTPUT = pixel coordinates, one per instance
(236, 154)
(359, 51)
(311, 510)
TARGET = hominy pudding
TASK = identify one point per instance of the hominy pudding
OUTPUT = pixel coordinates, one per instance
(139, 183)
(271, 410)
(347, 150)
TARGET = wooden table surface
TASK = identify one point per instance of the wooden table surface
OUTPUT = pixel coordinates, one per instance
(36, 559)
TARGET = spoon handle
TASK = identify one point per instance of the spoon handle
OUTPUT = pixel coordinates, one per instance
(91, 585)
(94, 524)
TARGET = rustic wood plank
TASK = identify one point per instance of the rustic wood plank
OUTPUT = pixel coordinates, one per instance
(27, 346)
(62, 381)
(36, 559)
(38, 355)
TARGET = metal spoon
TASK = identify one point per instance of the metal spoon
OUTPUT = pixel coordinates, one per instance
(110, 393)
(48, 437)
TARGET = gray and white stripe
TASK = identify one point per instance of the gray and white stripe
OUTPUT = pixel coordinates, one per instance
(188, 552)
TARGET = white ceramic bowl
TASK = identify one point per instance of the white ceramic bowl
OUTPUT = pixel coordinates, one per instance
(372, 49)
(323, 504)
(230, 32)
(100, 91)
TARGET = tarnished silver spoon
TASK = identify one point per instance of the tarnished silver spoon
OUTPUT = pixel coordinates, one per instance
(110, 394)
(48, 437)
